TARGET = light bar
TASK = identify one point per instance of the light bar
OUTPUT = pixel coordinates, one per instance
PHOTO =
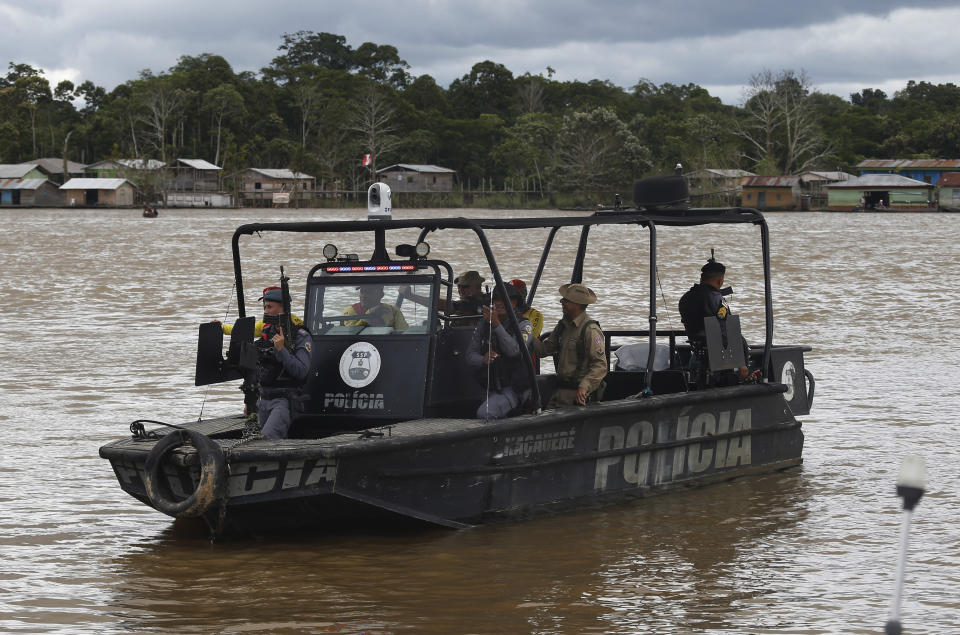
(355, 268)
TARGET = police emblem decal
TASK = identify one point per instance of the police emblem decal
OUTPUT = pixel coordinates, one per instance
(360, 364)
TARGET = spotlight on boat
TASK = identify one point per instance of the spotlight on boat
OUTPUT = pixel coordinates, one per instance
(910, 487)
(421, 250)
(330, 251)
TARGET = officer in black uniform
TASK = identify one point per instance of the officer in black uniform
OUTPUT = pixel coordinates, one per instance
(283, 370)
(707, 299)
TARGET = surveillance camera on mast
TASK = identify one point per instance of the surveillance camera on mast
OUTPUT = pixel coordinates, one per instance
(379, 206)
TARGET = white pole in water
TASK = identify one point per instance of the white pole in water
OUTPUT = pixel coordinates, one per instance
(910, 488)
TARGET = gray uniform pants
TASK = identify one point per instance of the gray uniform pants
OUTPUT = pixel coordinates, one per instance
(500, 404)
(274, 417)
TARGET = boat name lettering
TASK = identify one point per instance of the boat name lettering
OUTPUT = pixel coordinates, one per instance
(538, 443)
(272, 476)
(354, 400)
(687, 459)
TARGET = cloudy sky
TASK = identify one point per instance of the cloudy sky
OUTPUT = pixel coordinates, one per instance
(843, 46)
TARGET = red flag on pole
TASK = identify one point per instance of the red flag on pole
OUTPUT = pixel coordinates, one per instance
(367, 159)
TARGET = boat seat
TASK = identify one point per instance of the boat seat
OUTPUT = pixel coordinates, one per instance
(665, 382)
(624, 383)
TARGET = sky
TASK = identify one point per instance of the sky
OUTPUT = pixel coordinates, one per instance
(842, 46)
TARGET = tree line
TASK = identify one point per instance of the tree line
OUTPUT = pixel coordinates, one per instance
(321, 104)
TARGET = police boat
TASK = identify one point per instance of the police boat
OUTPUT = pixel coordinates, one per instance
(388, 432)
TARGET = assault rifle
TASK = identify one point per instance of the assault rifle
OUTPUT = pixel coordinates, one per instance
(286, 320)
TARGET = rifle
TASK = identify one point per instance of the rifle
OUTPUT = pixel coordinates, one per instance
(286, 322)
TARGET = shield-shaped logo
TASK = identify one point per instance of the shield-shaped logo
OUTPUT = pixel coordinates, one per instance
(360, 364)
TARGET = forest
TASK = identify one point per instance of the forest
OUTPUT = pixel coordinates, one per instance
(321, 105)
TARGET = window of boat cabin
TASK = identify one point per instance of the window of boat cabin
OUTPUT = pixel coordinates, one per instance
(370, 308)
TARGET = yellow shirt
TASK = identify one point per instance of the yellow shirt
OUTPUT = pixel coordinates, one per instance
(536, 320)
(258, 327)
(389, 314)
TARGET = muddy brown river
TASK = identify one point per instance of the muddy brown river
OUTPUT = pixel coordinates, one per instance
(102, 311)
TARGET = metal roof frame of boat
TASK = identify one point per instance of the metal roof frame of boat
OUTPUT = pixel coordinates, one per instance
(604, 216)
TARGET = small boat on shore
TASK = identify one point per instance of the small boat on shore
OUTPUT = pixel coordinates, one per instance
(394, 437)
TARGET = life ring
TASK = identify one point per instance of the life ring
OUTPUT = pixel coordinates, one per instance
(212, 470)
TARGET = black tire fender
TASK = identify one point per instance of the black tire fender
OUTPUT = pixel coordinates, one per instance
(212, 473)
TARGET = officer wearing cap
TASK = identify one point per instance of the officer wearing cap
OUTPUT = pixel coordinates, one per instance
(469, 288)
(258, 327)
(497, 356)
(283, 370)
(706, 299)
(577, 347)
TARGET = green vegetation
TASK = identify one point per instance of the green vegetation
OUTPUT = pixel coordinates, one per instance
(321, 105)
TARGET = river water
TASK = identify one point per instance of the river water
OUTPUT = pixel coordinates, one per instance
(102, 315)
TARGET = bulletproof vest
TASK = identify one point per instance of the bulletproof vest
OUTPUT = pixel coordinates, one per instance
(504, 371)
(271, 372)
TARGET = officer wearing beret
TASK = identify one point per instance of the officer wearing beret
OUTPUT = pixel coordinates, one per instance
(707, 299)
(577, 347)
(283, 370)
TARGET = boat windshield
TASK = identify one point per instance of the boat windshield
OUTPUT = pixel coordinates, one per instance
(371, 308)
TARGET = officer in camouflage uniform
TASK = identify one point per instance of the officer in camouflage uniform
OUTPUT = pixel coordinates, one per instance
(283, 371)
(576, 345)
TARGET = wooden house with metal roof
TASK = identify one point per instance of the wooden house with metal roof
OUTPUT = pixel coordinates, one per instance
(948, 192)
(194, 175)
(884, 192)
(771, 192)
(413, 177)
(124, 168)
(926, 170)
(710, 180)
(21, 171)
(29, 193)
(195, 183)
(87, 192)
(274, 185)
(54, 167)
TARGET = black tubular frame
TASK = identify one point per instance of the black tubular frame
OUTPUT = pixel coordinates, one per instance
(650, 220)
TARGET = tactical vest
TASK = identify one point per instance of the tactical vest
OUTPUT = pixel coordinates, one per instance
(573, 380)
(271, 372)
(504, 371)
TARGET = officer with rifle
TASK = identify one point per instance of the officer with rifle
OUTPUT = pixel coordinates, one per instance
(283, 352)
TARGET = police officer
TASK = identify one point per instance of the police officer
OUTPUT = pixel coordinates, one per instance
(375, 312)
(577, 347)
(282, 371)
(497, 356)
(258, 327)
(707, 299)
(469, 290)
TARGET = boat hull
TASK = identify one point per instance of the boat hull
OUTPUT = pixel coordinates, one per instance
(459, 472)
